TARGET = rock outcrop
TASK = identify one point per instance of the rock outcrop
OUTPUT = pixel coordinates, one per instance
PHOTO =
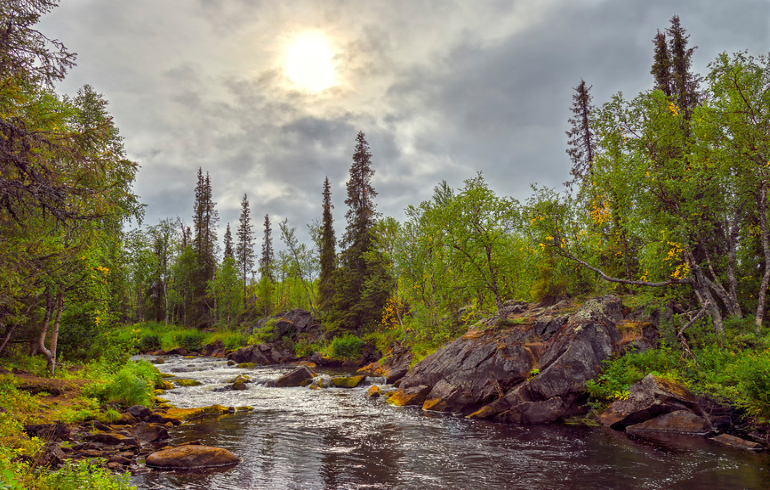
(529, 366)
(394, 367)
(648, 399)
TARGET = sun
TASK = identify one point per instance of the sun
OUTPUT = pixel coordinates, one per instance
(309, 62)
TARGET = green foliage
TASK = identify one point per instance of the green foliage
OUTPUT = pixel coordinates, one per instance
(619, 374)
(73, 476)
(346, 347)
(192, 340)
(149, 342)
(131, 385)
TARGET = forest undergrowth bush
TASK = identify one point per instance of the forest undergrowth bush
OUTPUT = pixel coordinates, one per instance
(734, 369)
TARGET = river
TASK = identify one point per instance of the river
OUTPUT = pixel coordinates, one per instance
(297, 438)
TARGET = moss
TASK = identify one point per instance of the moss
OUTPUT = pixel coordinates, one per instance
(188, 382)
(191, 413)
(347, 381)
(246, 365)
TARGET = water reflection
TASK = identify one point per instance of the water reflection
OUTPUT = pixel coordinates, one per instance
(338, 439)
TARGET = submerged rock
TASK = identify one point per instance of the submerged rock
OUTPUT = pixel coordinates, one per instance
(737, 442)
(191, 457)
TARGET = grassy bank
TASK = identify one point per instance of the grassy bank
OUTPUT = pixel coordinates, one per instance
(93, 391)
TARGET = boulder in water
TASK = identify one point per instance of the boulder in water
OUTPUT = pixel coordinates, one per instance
(347, 381)
(737, 442)
(296, 378)
(679, 422)
(191, 457)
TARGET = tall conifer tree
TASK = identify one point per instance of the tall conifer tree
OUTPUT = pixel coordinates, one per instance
(244, 250)
(205, 221)
(582, 142)
(327, 252)
(359, 264)
(228, 242)
(266, 261)
(684, 82)
(661, 67)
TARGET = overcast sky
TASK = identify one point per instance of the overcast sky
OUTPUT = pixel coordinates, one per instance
(441, 89)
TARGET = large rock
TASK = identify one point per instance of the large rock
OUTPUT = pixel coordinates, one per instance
(263, 354)
(191, 457)
(647, 399)
(209, 349)
(150, 432)
(530, 367)
(395, 366)
(298, 377)
(679, 422)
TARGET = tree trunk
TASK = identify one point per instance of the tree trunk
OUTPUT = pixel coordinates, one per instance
(762, 294)
(51, 305)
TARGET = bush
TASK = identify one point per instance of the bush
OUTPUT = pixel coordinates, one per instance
(149, 342)
(234, 341)
(192, 340)
(346, 347)
(132, 385)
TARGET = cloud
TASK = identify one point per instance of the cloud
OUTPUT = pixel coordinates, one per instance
(442, 89)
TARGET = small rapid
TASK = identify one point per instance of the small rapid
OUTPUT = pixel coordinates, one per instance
(337, 438)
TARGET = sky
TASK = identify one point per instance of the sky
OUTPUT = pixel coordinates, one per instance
(442, 90)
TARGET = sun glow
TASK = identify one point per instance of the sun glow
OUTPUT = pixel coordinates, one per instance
(309, 62)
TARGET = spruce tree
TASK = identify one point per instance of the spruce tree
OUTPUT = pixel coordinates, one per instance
(327, 253)
(244, 251)
(582, 142)
(661, 68)
(228, 243)
(354, 304)
(684, 83)
(205, 219)
(266, 261)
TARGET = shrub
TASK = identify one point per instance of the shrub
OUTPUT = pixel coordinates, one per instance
(192, 340)
(132, 385)
(234, 341)
(346, 347)
(149, 342)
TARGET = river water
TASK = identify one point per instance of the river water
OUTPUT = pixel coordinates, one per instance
(297, 438)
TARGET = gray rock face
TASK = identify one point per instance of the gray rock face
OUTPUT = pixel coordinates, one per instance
(532, 370)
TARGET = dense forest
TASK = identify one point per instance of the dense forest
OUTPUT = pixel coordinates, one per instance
(667, 204)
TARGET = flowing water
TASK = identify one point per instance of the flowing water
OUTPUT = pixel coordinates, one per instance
(297, 438)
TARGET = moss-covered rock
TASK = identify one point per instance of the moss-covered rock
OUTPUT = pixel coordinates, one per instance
(191, 413)
(374, 392)
(347, 381)
(245, 365)
(188, 382)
